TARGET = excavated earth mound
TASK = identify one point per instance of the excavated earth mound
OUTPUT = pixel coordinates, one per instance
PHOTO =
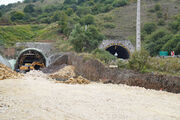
(95, 71)
(67, 75)
(7, 73)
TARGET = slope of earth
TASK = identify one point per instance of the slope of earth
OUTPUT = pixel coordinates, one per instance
(124, 18)
(35, 97)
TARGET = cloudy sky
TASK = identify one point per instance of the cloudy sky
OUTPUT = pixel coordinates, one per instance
(5, 2)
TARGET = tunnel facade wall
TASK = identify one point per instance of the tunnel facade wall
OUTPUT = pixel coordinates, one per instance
(31, 49)
(124, 43)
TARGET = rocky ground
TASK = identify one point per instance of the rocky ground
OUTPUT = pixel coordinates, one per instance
(37, 97)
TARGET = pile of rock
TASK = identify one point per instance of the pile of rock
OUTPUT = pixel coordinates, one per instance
(7, 73)
(64, 73)
(78, 80)
(67, 75)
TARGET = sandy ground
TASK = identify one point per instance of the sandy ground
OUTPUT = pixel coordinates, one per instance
(34, 97)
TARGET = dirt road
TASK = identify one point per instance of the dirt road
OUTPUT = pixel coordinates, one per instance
(34, 97)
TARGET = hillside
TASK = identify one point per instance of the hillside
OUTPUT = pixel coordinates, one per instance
(116, 19)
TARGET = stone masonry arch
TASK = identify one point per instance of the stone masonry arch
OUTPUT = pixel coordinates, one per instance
(120, 48)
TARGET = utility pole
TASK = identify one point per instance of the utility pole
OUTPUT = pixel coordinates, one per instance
(138, 26)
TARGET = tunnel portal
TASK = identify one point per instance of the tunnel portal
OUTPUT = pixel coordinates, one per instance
(31, 57)
(118, 51)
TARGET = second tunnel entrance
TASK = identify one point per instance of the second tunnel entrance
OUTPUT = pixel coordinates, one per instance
(118, 51)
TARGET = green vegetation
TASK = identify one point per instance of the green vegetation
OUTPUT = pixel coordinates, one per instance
(103, 56)
(142, 62)
(85, 40)
(138, 61)
(81, 25)
(165, 66)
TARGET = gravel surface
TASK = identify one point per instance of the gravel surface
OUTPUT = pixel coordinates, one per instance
(35, 97)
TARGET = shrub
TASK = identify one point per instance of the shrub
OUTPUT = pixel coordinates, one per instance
(156, 40)
(103, 56)
(159, 14)
(87, 20)
(167, 65)
(173, 44)
(29, 8)
(17, 16)
(161, 22)
(157, 7)
(119, 3)
(138, 60)
(108, 18)
(149, 28)
(109, 25)
(122, 64)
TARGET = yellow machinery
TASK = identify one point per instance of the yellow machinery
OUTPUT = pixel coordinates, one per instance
(34, 66)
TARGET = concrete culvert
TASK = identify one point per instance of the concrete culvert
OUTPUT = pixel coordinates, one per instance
(30, 59)
(119, 51)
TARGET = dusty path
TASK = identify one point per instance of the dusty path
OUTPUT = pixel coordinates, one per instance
(34, 97)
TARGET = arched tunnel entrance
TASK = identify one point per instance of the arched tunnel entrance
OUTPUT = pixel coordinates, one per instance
(118, 51)
(30, 59)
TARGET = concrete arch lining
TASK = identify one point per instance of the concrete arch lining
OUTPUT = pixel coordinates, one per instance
(36, 54)
(5, 62)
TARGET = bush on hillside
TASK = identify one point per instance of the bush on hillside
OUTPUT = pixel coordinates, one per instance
(156, 40)
(103, 56)
(29, 8)
(109, 25)
(16, 15)
(173, 44)
(119, 3)
(87, 20)
(157, 7)
(149, 28)
(139, 60)
(175, 24)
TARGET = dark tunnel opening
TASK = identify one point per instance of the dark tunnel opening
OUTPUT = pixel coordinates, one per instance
(30, 60)
(118, 51)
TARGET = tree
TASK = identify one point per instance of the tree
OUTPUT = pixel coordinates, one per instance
(16, 15)
(29, 8)
(85, 40)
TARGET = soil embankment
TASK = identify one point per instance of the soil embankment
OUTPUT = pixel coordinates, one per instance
(96, 71)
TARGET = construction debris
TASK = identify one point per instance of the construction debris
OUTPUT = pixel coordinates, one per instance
(67, 75)
(64, 73)
(7, 73)
(78, 80)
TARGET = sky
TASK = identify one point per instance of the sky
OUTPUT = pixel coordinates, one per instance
(5, 2)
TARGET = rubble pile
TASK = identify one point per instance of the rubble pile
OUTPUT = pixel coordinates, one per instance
(64, 73)
(78, 80)
(67, 75)
(7, 73)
